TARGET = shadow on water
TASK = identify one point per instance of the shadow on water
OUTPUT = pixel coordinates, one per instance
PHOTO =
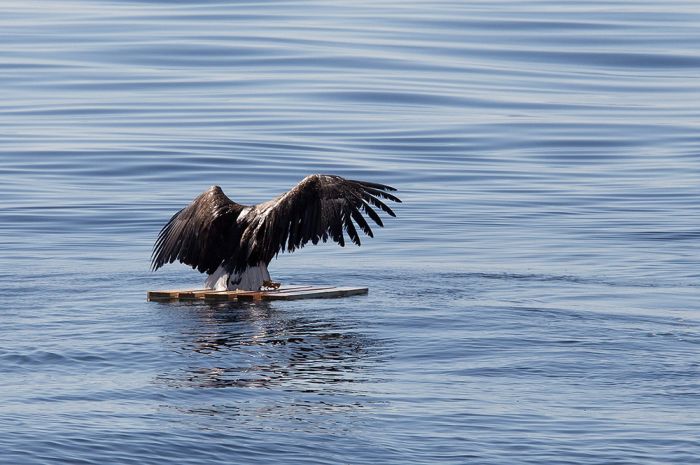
(257, 345)
(262, 367)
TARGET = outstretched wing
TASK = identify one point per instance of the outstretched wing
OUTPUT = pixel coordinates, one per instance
(318, 208)
(201, 235)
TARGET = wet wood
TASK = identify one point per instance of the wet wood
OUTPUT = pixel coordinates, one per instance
(283, 293)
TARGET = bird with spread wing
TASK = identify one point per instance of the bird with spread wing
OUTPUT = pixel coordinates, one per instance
(235, 243)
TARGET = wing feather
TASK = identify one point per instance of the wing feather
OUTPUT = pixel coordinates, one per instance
(381, 193)
(202, 235)
(319, 208)
(372, 214)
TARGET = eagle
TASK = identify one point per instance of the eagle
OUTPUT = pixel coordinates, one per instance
(233, 243)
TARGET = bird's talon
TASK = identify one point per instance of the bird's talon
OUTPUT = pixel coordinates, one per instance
(270, 285)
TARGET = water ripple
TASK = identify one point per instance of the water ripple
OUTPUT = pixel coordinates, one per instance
(539, 282)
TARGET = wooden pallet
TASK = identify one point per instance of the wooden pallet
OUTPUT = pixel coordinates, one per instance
(283, 293)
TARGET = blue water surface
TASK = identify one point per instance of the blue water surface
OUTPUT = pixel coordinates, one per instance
(536, 301)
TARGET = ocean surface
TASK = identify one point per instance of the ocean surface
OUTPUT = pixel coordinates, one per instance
(536, 300)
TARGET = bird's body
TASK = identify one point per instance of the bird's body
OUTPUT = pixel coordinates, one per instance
(234, 243)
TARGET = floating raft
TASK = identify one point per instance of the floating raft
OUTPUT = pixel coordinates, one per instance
(283, 293)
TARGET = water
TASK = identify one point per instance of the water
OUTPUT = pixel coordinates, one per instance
(535, 301)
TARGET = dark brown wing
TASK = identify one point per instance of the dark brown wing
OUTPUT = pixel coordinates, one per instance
(203, 235)
(318, 208)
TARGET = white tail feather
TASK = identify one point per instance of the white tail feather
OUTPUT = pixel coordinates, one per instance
(249, 280)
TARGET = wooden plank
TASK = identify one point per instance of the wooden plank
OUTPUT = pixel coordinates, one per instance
(283, 293)
(171, 294)
(317, 293)
(250, 295)
(220, 295)
(193, 295)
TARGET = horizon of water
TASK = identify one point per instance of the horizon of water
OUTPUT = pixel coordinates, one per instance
(534, 301)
